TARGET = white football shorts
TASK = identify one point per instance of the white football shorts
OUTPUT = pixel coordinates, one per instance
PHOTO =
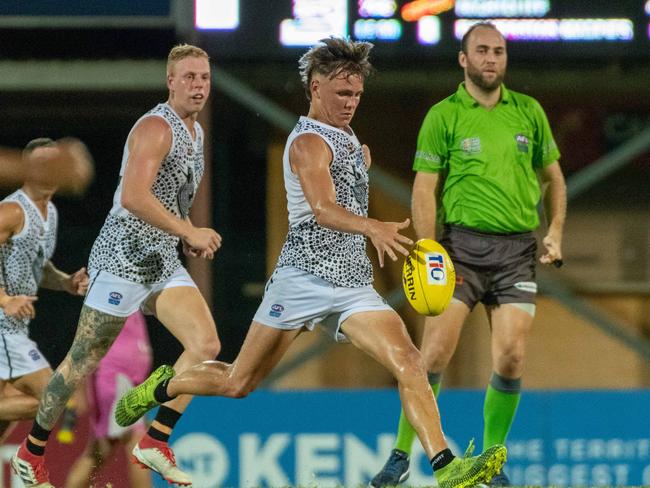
(19, 356)
(294, 298)
(119, 297)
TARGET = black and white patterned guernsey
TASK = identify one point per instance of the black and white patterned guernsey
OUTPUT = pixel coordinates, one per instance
(132, 249)
(337, 257)
(24, 255)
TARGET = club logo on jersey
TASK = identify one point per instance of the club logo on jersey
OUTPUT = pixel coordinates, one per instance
(276, 310)
(436, 272)
(114, 298)
(471, 145)
(34, 355)
(522, 143)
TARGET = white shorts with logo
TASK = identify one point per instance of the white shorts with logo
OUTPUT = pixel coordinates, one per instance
(294, 298)
(116, 296)
(19, 356)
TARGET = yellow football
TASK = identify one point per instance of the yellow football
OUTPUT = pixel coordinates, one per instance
(428, 277)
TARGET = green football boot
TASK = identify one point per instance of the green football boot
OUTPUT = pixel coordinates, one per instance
(139, 400)
(472, 470)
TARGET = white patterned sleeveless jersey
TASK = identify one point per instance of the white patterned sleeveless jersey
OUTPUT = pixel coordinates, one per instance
(131, 248)
(24, 255)
(337, 257)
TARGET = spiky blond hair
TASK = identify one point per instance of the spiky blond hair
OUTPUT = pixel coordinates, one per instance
(183, 51)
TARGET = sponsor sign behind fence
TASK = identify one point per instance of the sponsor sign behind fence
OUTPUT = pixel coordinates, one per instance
(334, 437)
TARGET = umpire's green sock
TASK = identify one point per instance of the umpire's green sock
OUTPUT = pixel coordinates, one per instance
(499, 409)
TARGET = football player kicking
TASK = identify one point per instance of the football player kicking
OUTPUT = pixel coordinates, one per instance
(324, 256)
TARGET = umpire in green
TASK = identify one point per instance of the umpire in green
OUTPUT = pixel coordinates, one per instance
(479, 153)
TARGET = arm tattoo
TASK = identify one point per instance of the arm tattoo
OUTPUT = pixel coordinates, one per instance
(95, 334)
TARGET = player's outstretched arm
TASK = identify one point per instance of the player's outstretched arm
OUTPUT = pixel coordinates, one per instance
(68, 166)
(149, 143)
(12, 169)
(71, 170)
(310, 159)
(55, 279)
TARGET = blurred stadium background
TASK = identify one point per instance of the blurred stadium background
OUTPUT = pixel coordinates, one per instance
(90, 69)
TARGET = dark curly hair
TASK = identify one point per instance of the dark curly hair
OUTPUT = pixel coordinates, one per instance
(335, 55)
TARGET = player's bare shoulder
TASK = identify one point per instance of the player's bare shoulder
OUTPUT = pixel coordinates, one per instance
(153, 132)
(309, 147)
(12, 218)
(10, 212)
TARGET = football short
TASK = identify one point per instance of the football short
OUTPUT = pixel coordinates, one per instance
(119, 297)
(294, 298)
(494, 269)
(19, 356)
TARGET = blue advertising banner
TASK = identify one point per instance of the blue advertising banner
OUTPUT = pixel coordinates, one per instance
(343, 437)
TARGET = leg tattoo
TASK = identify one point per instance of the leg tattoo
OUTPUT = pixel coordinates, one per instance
(95, 334)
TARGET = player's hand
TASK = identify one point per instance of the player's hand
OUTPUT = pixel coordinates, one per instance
(367, 159)
(203, 242)
(386, 238)
(78, 283)
(19, 306)
(189, 251)
(195, 253)
(553, 247)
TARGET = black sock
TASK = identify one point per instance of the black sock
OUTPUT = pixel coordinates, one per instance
(442, 459)
(38, 433)
(160, 393)
(158, 435)
(166, 416)
(35, 449)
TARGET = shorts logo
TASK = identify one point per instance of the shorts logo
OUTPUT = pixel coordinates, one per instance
(527, 286)
(114, 298)
(522, 143)
(276, 310)
(471, 145)
(34, 355)
(436, 272)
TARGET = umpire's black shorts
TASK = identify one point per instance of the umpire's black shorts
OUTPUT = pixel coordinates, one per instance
(492, 268)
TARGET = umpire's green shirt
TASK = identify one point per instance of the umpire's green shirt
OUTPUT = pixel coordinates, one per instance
(488, 159)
